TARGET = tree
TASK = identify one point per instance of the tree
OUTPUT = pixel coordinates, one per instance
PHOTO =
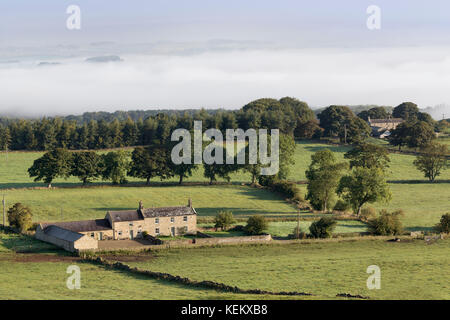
(115, 165)
(433, 160)
(150, 162)
(363, 185)
(353, 130)
(323, 228)
(5, 138)
(368, 155)
(20, 217)
(223, 220)
(412, 134)
(308, 130)
(323, 176)
(374, 113)
(86, 166)
(53, 164)
(333, 118)
(420, 134)
(286, 156)
(256, 225)
(406, 110)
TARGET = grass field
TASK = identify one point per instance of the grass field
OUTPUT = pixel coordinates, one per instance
(423, 202)
(90, 203)
(284, 228)
(13, 172)
(29, 276)
(410, 270)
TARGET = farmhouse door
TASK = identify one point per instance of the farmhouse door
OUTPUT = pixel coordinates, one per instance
(131, 235)
(172, 231)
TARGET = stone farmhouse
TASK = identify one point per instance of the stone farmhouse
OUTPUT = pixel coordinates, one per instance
(118, 225)
(383, 127)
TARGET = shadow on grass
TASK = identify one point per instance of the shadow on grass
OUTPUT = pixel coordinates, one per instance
(27, 244)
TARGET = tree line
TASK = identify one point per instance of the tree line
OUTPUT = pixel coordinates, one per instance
(149, 162)
(293, 117)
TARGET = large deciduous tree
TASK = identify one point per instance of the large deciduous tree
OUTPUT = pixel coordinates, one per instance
(53, 164)
(368, 155)
(432, 160)
(86, 166)
(323, 176)
(363, 185)
(115, 165)
(150, 162)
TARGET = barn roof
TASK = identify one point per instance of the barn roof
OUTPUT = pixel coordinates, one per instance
(168, 212)
(82, 226)
(63, 234)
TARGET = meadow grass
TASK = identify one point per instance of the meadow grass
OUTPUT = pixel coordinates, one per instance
(285, 228)
(66, 204)
(409, 270)
(424, 203)
(13, 172)
(22, 279)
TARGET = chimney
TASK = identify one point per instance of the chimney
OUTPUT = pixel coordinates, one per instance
(189, 203)
(141, 206)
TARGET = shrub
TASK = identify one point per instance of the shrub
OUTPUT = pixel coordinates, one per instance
(298, 233)
(144, 234)
(223, 220)
(386, 223)
(19, 217)
(238, 228)
(368, 214)
(444, 225)
(342, 205)
(322, 228)
(256, 225)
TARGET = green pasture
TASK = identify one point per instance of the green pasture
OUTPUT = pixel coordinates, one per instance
(409, 270)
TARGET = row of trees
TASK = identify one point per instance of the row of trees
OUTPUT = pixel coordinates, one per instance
(153, 161)
(289, 115)
(48, 133)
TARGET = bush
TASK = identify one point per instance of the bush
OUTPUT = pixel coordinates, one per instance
(20, 217)
(368, 214)
(322, 228)
(342, 205)
(386, 224)
(286, 188)
(238, 228)
(223, 220)
(255, 225)
(298, 233)
(444, 225)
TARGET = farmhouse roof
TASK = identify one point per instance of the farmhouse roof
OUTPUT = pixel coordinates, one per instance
(81, 226)
(63, 234)
(388, 120)
(126, 215)
(168, 212)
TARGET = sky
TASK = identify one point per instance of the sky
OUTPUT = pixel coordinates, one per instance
(220, 54)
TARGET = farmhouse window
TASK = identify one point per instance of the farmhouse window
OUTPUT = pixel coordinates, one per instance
(156, 220)
(92, 234)
(119, 233)
(172, 220)
(157, 230)
(131, 224)
(185, 219)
